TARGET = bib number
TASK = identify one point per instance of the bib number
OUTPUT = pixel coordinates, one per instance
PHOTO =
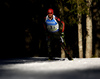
(53, 28)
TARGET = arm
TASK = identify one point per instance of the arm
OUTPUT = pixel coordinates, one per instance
(44, 25)
(62, 27)
(61, 24)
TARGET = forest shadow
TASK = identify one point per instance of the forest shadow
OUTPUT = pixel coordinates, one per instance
(89, 73)
(21, 60)
(74, 74)
(21, 20)
(26, 60)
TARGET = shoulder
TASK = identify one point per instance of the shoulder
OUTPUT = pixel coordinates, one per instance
(58, 19)
(46, 17)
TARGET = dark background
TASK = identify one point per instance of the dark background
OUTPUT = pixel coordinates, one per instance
(22, 32)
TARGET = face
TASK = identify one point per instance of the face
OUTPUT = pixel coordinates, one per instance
(50, 15)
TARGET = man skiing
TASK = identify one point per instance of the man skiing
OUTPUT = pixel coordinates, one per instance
(54, 30)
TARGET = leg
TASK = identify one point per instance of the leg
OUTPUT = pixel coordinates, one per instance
(49, 49)
(63, 45)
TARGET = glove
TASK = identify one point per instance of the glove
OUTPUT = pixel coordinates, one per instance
(62, 34)
(62, 37)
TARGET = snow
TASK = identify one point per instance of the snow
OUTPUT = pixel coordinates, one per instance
(41, 68)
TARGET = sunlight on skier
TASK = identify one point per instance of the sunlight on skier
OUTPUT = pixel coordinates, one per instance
(54, 30)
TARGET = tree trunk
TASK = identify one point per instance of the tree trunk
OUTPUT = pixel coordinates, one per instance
(88, 53)
(80, 44)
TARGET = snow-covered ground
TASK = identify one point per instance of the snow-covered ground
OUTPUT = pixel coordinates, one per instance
(41, 68)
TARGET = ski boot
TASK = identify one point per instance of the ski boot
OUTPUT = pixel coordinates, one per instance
(69, 57)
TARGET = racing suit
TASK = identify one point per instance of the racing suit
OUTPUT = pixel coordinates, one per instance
(54, 30)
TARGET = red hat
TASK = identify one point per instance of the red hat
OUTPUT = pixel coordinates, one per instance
(50, 10)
